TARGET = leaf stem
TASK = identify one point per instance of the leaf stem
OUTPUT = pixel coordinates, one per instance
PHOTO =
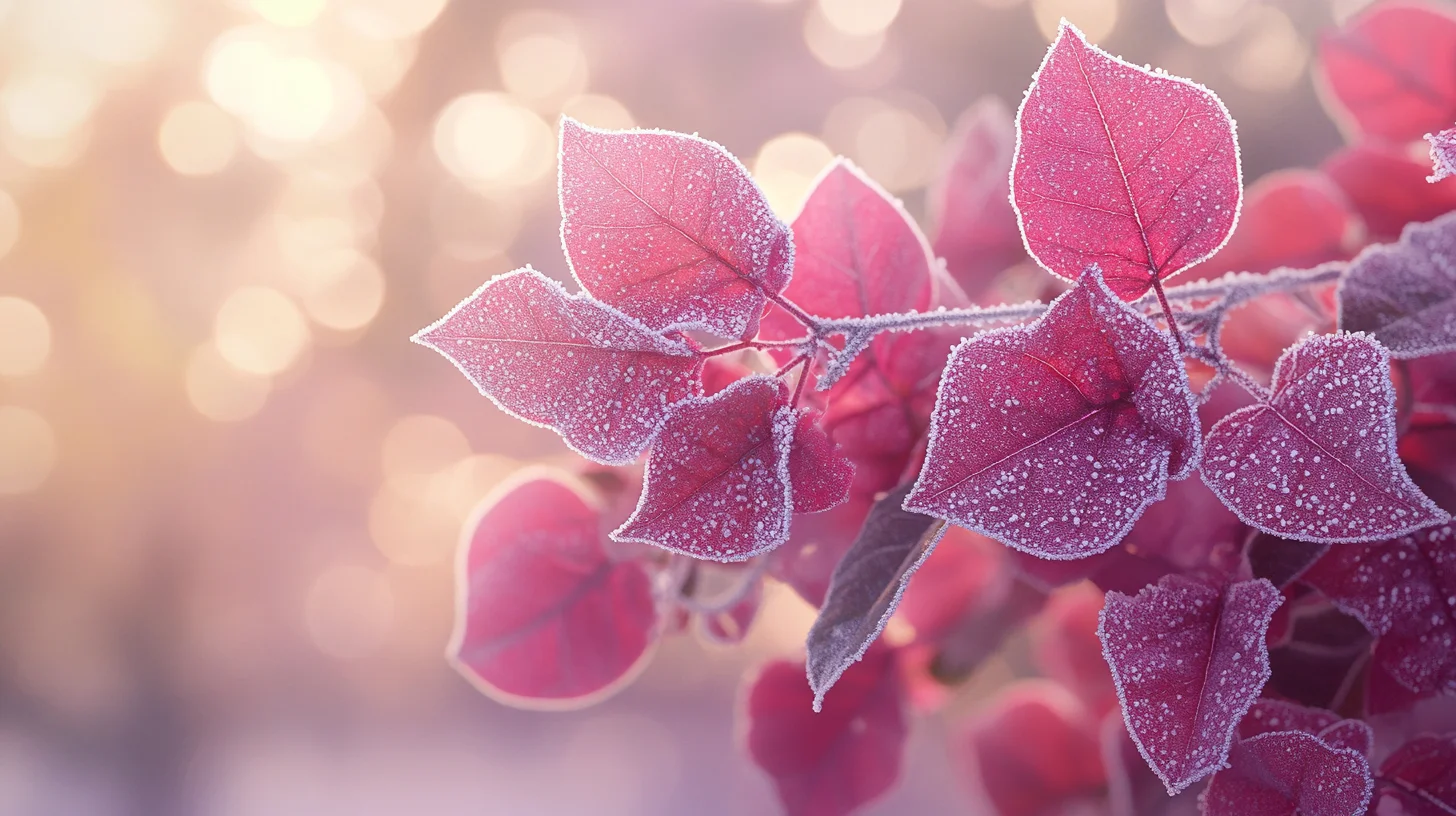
(754, 344)
(1169, 316)
(807, 320)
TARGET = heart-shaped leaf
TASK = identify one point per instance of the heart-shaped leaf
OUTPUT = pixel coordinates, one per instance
(545, 618)
(601, 379)
(1317, 461)
(1388, 71)
(1189, 659)
(718, 484)
(1053, 437)
(1418, 778)
(1133, 170)
(1283, 773)
(670, 229)
(1405, 293)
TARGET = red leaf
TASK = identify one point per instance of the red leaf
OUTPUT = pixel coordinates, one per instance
(830, 763)
(722, 371)
(545, 618)
(1066, 648)
(1388, 71)
(1133, 170)
(717, 484)
(972, 224)
(818, 542)
(1317, 462)
(1388, 187)
(1404, 591)
(1295, 218)
(1405, 293)
(669, 228)
(1418, 779)
(1443, 154)
(601, 379)
(1053, 437)
(1189, 660)
(1283, 773)
(964, 576)
(1036, 750)
(818, 470)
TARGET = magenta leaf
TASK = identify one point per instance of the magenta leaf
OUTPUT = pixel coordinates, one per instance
(1289, 773)
(1317, 462)
(1418, 779)
(1268, 715)
(1054, 437)
(1188, 659)
(866, 587)
(545, 618)
(1294, 218)
(1131, 169)
(818, 470)
(973, 226)
(1388, 187)
(601, 379)
(1066, 648)
(828, 763)
(1443, 154)
(718, 484)
(670, 229)
(1404, 591)
(1405, 293)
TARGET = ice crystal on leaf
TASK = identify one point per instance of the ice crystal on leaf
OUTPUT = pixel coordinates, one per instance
(1317, 461)
(1289, 773)
(1443, 154)
(670, 229)
(1405, 293)
(1053, 437)
(545, 617)
(1189, 659)
(718, 480)
(601, 379)
(1116, 165)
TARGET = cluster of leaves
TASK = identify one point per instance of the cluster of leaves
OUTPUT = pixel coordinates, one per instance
(1236, 629)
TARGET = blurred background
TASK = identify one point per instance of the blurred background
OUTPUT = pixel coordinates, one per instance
(230, 488)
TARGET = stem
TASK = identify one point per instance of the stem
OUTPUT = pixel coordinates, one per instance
(754, 344)
(799, 386)
(790, 365)
(1228, 370)
(1168, 315)
(745, 584)
(807, 320)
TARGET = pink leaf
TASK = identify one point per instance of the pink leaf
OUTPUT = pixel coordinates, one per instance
(818, 470)
(545, 618)
(1405, 293)
(965, 577)
(1292, 218)
(601, 379)
(1189, 660)
(1388, 187)
(1133, 170)
(1388, 71)
(1289, 773)
(1053, 437)
(1404, 591)
(1317, 462)
(819, 541)
(1443, 154)
(718, 484)
(670, 229)
(973, 226)
(1418, 779)
(1066, 648)
(830, 763)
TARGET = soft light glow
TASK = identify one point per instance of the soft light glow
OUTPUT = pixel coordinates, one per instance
(412, 530)
(25, 337)
(258, 330)
(1207, 22)
(836, 49)
(1095, 18)
(9, 223)
(347, 295)
(290, 13)
(221, 392)
(119, 32)
(859, 18)
(541, 57)
(27, 450)
(1271, 55)
(349, 611)
(599, 110)
(786, 167)
(390, 19)
(197, 139)
(896, 141)
(422, 445)
(47, 106)
(471, 226)
(489, 139)
(281, 94)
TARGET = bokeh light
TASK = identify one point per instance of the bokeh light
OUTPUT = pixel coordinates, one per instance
(349, 611)
(541, 57)
(1271, 55)
(859, 18)
(27, 450)
(292, 13)
(786, 168)
(390, 19)
(488, 138)
(260, 331)
(836, 48)
(219, 390)
(599, 110)
(25, 337)
(197, 139)
(1207, 22)
(1095, 18)
(9, 223)
(896, 141)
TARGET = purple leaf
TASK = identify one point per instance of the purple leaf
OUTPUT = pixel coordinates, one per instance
(670, 229)
(1278, 715)
(1405, 293)
(1189, 659)
(1053, 437)
(1418, 779)
(1317, 462)
(1289, 773)
(866, 587)
(1120, 166)
(717, 483)
(1443, 154)
(601, 379)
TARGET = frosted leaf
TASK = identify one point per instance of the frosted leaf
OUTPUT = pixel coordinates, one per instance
(1293, 218)
(818, 470)
(833, 762)
(717, 484)
(670, 229)
(601, 379)
(1317, 462)
(1443, 154)
(1278, 715)
(1133, 170)
(1388, 71)
(544, 617)
(1054, 437)
(1188, 659)
(1418, 779)
(1404, 591)
(1283, 773)
(866, 587)
(1405, 293)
